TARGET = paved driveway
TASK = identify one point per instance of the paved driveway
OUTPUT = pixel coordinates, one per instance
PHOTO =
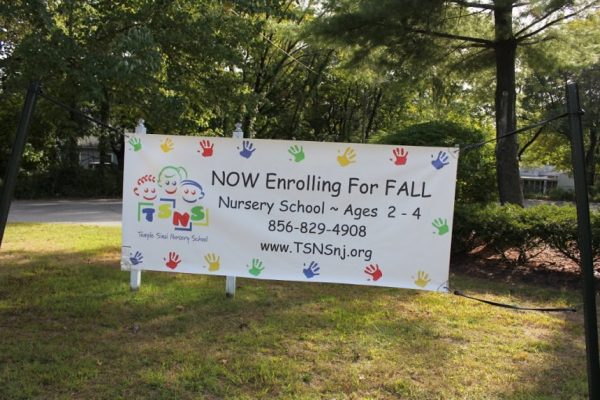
(89, 212)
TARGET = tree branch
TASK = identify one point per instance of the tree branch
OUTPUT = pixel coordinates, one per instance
(465, 15)
(541, 40)
(537, 21)
(549, 24)
(469, 57)
(530, 142)
(473, 5)
(444, 35)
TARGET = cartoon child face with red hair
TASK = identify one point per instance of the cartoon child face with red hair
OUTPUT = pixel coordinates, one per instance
(146, 187)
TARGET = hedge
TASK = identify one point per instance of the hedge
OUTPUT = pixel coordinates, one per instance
(527, 230)
(65, 182)
(476, 179)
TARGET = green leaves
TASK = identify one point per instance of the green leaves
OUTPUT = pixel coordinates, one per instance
(475, 180)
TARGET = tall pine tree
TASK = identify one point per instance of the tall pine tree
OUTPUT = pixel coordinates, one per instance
(486, 29)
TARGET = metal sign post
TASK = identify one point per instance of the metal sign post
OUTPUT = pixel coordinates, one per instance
(585, 241)
(135, 275)
(230, 280)
(17, 152)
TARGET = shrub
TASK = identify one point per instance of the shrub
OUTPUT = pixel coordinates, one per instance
(556, 194)
(527, 230)
(69, 182)
(560, 194)
(476, 181)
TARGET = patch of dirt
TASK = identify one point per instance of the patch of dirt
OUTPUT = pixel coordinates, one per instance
(549, 268)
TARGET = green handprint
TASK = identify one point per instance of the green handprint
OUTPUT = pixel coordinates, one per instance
(136, 143)
(297, 152)
(441, 225)
(257, 267)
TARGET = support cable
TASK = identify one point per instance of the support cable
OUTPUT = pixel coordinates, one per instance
(80, 113)
(479, 144)
(514, 307)
(523, 129)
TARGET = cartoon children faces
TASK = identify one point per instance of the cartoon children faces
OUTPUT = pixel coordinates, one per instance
(169, 178)
(173, 179)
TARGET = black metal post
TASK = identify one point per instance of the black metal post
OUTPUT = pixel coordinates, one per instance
(17, 152)
(585, 241)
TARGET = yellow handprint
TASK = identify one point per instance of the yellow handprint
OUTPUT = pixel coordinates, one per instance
(422, 279)
(167, 145)
(347, 158)
(213, 261)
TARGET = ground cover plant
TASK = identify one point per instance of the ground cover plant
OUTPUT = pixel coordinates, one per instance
(71, 328)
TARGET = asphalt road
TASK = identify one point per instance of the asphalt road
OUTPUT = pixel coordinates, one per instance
(105, 212)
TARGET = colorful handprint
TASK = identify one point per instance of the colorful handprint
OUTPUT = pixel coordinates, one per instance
(401, 155)
(441, 161)
(374, 271)
(441, 225)
(167, 145)
(297, 152)
(422, 279)
(312, 270)
(257, 268)
(136, 258)
(247, 149)
(206, 148)
(214, 262)
(173, 261)
(136, 143)
(347, 158)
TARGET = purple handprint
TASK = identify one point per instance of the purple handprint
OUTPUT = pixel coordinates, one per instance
(136, 258)
(312, 270)
(441, 161)
(248, 149)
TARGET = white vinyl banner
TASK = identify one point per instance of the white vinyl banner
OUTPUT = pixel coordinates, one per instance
(289, 210)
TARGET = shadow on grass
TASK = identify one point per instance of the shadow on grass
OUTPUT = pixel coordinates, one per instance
(562, 374)
(71, 328)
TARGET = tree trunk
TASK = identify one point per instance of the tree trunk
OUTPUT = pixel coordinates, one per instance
(507, 165)
(590, 157)
(378, 96)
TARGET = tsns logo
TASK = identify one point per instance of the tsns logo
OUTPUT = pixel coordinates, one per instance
(171, 196)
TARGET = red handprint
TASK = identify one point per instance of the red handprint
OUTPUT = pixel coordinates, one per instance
(173, 260)
(207, 148)
(374, 271)
(400, 155)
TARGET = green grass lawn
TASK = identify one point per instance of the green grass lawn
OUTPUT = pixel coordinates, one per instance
(71, 328)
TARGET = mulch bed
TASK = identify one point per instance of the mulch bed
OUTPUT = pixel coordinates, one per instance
(549, 268)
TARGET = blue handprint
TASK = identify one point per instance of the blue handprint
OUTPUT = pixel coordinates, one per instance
(441, 161)
(247, 150)
(312, 270)
(136, 258)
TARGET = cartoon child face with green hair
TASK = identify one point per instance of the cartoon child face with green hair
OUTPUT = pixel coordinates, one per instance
(169, 179)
